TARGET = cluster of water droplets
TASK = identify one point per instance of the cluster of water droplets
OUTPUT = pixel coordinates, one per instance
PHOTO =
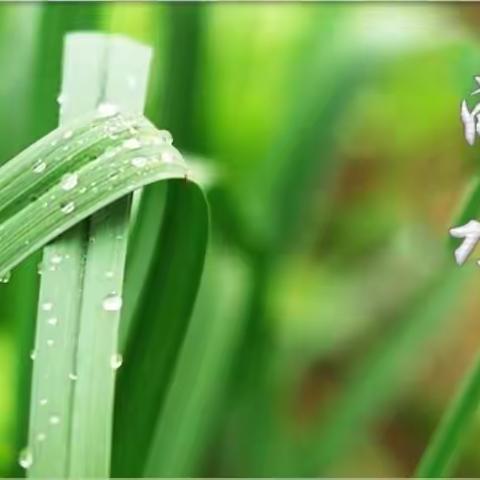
(26, 455)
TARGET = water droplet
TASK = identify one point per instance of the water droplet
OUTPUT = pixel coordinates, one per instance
(25, 459)
(139, 162)
(54, 420)
(68, 134)
(43, 402)
(164, 137)
(39, 166)
(5, 278)
(41, 437)
(132, 144)
(69, 181)
(105, 110)
(73, 377)
(50, 342)
(167, 157)
(61, 98)
(67, 207)
(52, 321)
(116, 361)
(109, 274)
(112, 302)
(33, 354)
(56, 258)
(47, 306)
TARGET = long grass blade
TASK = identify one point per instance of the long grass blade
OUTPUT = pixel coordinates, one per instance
(125, 74)
(439, 456)
(50, 22)
(83, 80)
(158, 328)
(182, 435)
(37, 208)
(436, 462)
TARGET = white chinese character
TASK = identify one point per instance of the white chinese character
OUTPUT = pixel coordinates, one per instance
(470, 232)
(471, 120)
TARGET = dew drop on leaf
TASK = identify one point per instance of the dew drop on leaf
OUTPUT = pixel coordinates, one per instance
(5, 278)
(165, 137)
(41, 437)
(69, 181)
(25, 459)
(47, 306)
(54, 420)
(139, 162)
(39, 166)
(132, 144)
(33, 354)
(43, 402)
(105, 110)
(112, 302)
(167, 157)
(73, 377)
(68, 134)
(50, 342)
(116, 361)
(52, 321)
(67, 207)
(56, 258)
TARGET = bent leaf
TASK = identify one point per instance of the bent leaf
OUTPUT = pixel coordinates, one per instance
(78, 170)
(73, 172)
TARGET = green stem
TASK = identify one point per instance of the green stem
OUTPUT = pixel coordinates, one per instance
(441, 451)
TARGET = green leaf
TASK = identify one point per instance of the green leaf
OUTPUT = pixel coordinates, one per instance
(183, 435)
(158, 328)
(436, 462)
(109, 158)
(34, 206)
(441, 451)
(36, 114)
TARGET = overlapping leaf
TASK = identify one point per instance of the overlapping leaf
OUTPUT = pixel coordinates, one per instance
(73, 172)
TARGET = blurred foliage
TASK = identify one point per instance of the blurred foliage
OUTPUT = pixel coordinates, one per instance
(340, 164)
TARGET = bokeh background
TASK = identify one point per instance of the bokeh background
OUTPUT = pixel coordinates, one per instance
(330, 142)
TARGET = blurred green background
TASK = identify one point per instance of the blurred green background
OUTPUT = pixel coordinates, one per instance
(339, 326)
